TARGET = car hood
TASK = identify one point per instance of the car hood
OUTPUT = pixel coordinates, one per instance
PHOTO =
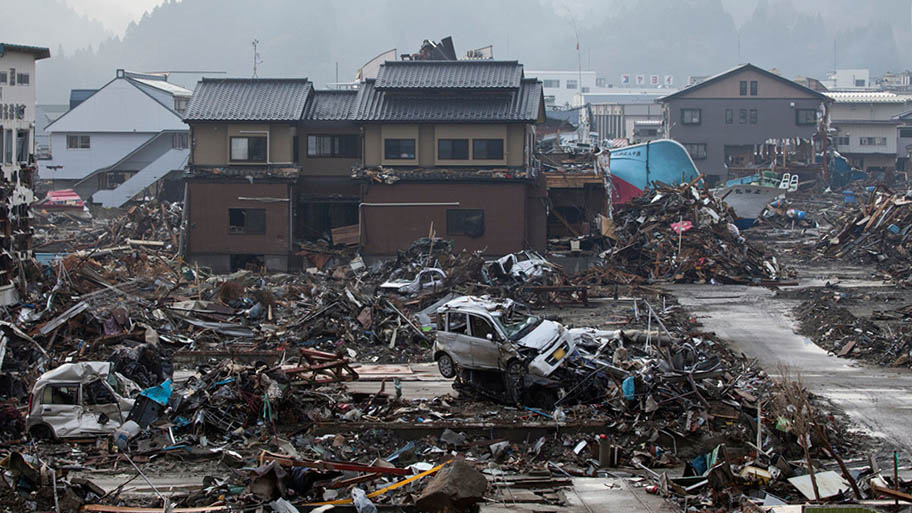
(542, 336)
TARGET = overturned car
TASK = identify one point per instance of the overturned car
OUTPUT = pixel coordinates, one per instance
(492, 348)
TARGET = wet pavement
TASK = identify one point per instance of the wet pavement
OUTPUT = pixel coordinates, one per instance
(760, 325)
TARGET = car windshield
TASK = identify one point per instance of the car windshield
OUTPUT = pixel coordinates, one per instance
(517, 326)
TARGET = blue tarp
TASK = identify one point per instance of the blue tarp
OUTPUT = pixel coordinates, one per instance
(159, 393)
(628, 387)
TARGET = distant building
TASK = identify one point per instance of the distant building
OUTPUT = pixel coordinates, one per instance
(726, 120)
(117, 141)
(848, 79)
(866, 127)
(560, 87)
(17, 160)
(615, 113)
(896, 81)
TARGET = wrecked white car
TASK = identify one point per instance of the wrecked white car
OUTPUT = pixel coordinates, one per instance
(522, 265)
(480, 334)
(427, 279)
(79, 399)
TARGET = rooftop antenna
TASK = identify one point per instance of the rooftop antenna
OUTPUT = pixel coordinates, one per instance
(256, 56)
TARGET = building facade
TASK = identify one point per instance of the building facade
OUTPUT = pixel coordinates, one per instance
(426, 146)
(119, 140)
(725, 120)
(866, 125)
(17, 161)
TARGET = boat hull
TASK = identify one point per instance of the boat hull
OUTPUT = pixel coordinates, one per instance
(748, 200)
(635, 169)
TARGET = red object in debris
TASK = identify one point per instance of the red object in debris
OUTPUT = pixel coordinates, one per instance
(681, 226)
(653, 489)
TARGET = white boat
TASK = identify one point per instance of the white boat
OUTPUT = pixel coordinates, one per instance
(749, 196)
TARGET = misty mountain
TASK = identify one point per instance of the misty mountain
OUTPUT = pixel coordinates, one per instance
(52, 24)
(312, 38)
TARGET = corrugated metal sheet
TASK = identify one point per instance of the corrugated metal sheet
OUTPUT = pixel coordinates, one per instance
(331, 106)
(449, 75)
(519, 105)
(249, 99)
(867, 97)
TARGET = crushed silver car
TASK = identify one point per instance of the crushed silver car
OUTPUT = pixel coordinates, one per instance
(427, 279)
(78, 399)
(477, 335)
(522, 265)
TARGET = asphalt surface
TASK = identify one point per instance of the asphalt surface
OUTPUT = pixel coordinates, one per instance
(760, 325)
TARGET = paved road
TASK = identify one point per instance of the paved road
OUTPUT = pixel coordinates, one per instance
(878, 399)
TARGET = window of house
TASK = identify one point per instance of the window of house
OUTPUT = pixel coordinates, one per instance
(842, 140)
(753, 88)
(114, 179)
(487, 149)
(401, 149)
(859, 82)
(12, 77)
(647, 132)
(23, 78)
(180, 104)
(572, 84)
(180, 141)
(22, 146)
(60, 394)
(742, 116)
(8, 146)
(551, 84)
(468, 222)
(79, 142)
(873, 141)
(729, 116)
(342, 146)
(3, 77)
(248, 149)
(585, 89)
(806, 116)
(697, 150)
(905, 131)
(453, 149)
(753, 116)
(247, 220)
(742, 90)
(690, 116)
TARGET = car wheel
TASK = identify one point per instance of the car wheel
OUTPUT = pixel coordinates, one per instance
(514, 376)
(41, 432)
(446, 366)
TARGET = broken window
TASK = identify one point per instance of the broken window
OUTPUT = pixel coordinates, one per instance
(697, 150)
(690, 116)
(344, 146)
(742, 90)
(487, 149)
(468, 222)
(79, 142)
(753, 88)
(456, 323)
(481, 328)
(753, 116)
(247, 220)
(248, 149)
(806, 116)
(97, 393)
(60, 394)
(729, 116)
(453, 149)
(399, 149)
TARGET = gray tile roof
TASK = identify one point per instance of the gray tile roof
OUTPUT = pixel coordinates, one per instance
(249, 99)
(331, 106)
(519, 105)
(480, 74)
(39, 52)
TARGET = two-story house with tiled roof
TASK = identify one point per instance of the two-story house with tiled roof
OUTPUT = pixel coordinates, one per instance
(426, 145)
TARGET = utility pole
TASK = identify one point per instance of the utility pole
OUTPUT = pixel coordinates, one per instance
(256, 56)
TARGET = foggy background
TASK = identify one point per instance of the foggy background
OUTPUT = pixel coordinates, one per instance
(308, 38)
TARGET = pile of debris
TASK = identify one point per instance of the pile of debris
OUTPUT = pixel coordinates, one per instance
(877, 230)
(685, 234)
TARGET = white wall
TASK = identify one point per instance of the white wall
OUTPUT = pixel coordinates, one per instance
(562, 95)
(106, 149)
(18, 94)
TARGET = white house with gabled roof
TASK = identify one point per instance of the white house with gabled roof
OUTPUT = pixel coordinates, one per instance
(119, 141)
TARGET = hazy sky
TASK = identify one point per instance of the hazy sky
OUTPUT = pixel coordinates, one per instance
(115, 15)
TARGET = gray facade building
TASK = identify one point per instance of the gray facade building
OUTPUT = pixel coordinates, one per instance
(723, 120)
